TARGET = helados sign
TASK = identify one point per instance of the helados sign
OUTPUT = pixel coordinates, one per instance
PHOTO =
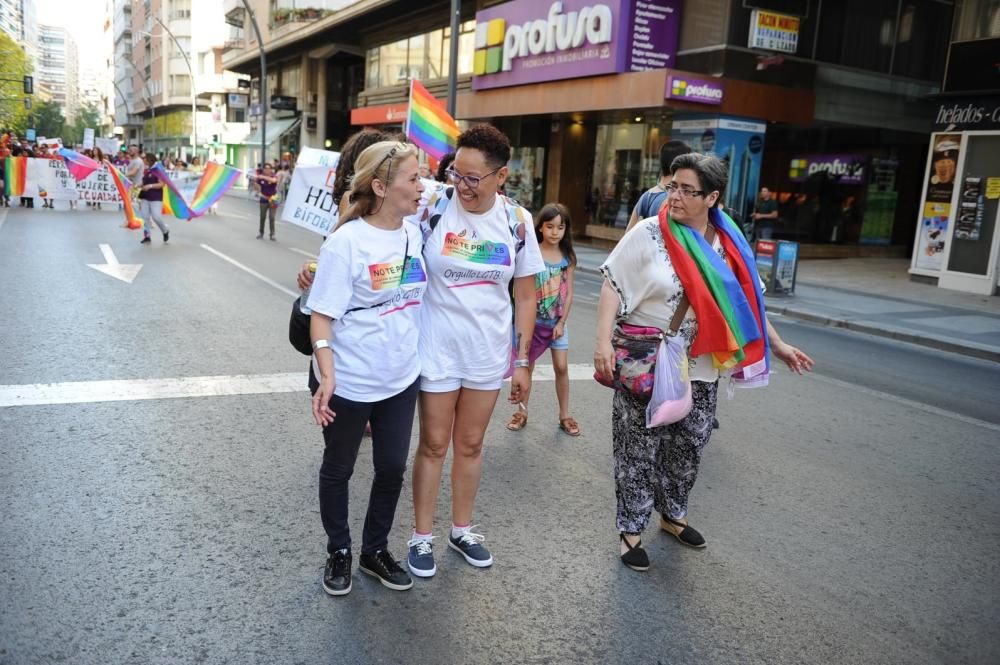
(557, 32)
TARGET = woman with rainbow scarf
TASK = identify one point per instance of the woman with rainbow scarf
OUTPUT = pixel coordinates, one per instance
(692, 256)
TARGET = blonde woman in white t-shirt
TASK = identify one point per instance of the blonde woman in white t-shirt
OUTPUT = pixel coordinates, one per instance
(474, 249)
(365, 303)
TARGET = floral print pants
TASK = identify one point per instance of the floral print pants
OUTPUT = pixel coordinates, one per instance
(656, 468)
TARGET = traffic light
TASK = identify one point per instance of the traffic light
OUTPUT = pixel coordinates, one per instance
(29, 85)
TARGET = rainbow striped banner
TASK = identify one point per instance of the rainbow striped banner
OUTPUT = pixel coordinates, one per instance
(428, 124)
(15, 172)
(132, 221)
(217, 179)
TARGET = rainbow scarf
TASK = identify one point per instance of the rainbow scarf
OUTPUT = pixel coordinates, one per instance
(726, 297)
(14, 174)
(216, 180)
(79, 165)
(132, 221)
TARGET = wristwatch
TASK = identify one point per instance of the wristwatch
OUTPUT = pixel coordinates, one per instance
(320, 344)
(522, 363)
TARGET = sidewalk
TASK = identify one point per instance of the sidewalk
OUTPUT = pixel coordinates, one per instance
(876, 296)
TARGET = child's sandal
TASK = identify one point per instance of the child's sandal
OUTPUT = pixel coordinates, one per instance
(518, 421)
(569, 426)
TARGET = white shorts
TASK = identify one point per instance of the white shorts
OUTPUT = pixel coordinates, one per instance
(450, 385)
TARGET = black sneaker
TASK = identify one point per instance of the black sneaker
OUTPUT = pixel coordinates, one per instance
(337, 576)
(166, 236)
(382, 565)
(145, 240)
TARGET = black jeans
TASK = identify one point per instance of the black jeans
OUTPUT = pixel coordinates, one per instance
(267, 212)
(392, 424)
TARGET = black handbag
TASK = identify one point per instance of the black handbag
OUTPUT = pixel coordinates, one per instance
(298, 329)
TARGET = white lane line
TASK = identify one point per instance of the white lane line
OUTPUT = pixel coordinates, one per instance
(3, 216)
(251, 271)
(303, 252)
(913, 404)
(79, 392)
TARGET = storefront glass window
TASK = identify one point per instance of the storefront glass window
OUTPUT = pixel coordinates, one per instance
(978, 19)
(922, 41)
(526, 177)
(426, 56)
(392, 61)
(858, 33)
(371, 68)
(626, 164)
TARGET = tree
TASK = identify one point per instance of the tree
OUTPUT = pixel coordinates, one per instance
(49, 120)
(87, 116)
(14, 65)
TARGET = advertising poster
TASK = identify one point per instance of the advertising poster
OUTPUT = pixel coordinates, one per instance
(936, 206)
(969, 223)
(764, 257)
(786, 267)
(739, 142)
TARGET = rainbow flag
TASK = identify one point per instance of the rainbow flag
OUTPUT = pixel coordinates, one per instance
(214, 182)
(428, 125)
(173, 201)
(80, 166)
(131, 220)
(14, 173)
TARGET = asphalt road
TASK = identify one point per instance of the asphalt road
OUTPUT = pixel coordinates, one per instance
(853, 516)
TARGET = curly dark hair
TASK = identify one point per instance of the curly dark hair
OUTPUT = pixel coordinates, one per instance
(354, 146)
(488, 140)
(442, 172)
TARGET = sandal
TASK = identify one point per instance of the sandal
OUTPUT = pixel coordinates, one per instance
(682, 532)
(569, 426)
(635, 556)
(518, 421)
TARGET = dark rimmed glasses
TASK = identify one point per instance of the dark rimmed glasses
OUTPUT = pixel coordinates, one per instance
(685, 192)
(471, 181)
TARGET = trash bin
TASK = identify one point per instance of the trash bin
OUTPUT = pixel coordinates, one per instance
(777, 265)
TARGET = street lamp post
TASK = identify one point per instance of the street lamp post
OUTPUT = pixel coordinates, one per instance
(263, 83)
(194, 96)
(149, 99)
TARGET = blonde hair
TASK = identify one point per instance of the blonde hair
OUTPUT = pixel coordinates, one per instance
(378, 161)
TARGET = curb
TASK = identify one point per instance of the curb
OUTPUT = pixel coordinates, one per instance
(969, 349)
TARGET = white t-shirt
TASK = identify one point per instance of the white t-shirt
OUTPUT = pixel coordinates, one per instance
(374, 348)
(465, 328)
(640, 271)
(140, 167)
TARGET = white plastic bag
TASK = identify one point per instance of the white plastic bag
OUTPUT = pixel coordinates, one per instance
(671, 398)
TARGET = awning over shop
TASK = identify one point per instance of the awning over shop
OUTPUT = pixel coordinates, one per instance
(275, 130)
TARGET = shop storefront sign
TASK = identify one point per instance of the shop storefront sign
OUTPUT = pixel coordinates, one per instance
(699, 91)
(385, 114)
(844, 169)
(966, 115)
(525, 41)
(773, 31)
(283, 103)
(237, 101)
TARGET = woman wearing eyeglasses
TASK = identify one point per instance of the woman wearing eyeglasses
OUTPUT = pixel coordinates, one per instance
(648, 277)
(475, 243)
(365, 301)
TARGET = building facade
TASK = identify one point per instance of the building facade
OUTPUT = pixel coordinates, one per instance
(19, 19)
(826, 102)
(58, 75)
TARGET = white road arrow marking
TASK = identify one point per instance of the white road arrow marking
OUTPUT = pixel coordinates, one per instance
(111, 267)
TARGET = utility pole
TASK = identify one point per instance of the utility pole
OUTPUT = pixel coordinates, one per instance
(263, 84)
(456, 10)
(194, 96)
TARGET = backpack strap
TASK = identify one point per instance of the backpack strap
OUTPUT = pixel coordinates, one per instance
(517, 216)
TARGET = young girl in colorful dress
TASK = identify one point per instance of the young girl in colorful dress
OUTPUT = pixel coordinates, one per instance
(554, 292)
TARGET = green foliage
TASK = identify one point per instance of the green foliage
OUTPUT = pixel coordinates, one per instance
(49, 121)
(87, 116)
(14, 65)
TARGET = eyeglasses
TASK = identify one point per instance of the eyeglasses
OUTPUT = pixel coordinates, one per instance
(471, 181)
(685, 192)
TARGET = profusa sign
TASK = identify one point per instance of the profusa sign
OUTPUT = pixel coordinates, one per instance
(527, 41)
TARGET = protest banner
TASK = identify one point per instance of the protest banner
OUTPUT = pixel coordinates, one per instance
(109, 147)
(309, 203)
(88, 138)
(316, 157)
(98, 187)
(50, 179)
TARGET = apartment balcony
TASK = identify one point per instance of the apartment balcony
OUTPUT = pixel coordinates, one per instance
(285, 12)
(234, 11)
